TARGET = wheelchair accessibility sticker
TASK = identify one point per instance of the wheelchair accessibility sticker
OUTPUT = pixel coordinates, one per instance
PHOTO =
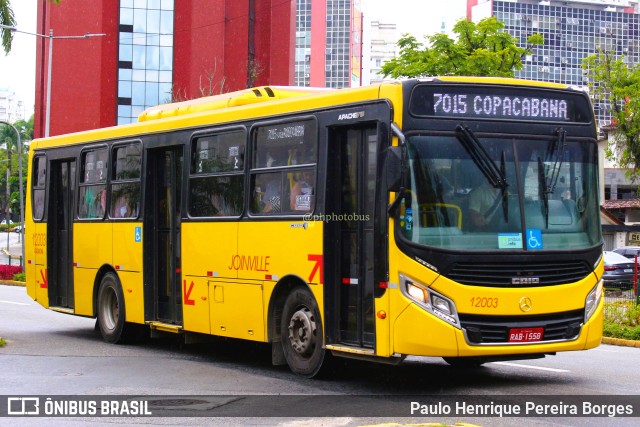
(138, 234)
(534, 238)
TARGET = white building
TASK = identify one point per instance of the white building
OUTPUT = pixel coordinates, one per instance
(379, 46)
(11, 109)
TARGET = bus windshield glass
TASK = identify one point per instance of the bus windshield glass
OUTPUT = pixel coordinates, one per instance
(494, 192)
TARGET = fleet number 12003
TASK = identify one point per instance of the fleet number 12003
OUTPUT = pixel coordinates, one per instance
(484, 302)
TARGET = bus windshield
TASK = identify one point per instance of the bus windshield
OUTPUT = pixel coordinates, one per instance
(488, 192)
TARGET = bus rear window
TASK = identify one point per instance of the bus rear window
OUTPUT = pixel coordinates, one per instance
(39, 179)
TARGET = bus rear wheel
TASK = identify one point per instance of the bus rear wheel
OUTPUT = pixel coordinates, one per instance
(111, 314)
(302, 336)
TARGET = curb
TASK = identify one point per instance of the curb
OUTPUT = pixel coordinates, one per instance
(12, 283)
(621, 342)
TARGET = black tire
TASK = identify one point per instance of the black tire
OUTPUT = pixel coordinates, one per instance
(464, 362)
(110, 307)
(302, 333)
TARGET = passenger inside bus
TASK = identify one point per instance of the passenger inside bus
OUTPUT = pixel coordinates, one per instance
(271, 197)
(302, 192)
(484, 203)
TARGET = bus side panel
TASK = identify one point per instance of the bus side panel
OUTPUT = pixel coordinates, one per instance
(269, 251)
(196, 304)
(30, 253)
(237, 310)
(40, 259)
(207, 252)
(92, 249)
(208, 249)
(127, 246)
(83, 280)
(127, 260)
(132, 289)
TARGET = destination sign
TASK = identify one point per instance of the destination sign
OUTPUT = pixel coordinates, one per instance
(499, 103)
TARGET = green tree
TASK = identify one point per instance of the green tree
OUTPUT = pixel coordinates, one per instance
(9, 142)
(8, 18)
(616, 85)
(481, 49)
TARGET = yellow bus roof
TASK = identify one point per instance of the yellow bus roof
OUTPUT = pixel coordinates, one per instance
(226, 100)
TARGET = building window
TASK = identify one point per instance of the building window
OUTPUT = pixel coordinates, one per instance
(145, 56)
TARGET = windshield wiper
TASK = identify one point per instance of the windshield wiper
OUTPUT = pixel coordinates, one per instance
(547, 185)
(480, 157)
(556, 154)
(544, 195)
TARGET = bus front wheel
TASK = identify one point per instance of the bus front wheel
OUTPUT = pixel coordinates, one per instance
(302, 335)
(111, 315)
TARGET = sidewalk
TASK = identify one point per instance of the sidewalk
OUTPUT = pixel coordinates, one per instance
(10, 247)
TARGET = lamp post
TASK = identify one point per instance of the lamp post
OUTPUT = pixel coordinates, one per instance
(49, 62)
(20, 183)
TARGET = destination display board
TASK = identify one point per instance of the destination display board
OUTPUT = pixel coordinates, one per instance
(499, 102)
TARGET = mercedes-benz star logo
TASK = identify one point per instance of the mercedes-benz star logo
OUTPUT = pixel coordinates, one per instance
(525, 304)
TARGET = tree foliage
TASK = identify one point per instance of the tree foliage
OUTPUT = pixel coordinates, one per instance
(481, 49)
(615, 84)
(8, 18)
(9, 176)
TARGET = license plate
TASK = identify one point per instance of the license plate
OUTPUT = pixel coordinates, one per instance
(525, 334)
(628, 270)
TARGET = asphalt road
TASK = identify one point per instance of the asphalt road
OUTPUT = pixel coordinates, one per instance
(52, 354)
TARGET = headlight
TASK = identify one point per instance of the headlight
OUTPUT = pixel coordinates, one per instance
(592, 301)
(418, 293)
(432, 301)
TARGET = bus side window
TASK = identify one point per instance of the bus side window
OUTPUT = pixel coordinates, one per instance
(216, 181)
(93, 184)
(283, 168)
(125, 181)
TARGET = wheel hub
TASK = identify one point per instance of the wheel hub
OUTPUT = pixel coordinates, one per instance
(302, 331)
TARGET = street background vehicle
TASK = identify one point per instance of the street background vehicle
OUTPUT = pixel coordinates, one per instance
(619, 271)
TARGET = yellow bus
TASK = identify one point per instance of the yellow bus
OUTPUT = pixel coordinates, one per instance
(448, 217)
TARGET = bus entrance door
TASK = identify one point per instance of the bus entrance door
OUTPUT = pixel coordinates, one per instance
(60, 232)
(162, 235)
(351, 183)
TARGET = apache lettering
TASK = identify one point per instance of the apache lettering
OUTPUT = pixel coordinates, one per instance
(349, 116)
(249, 262)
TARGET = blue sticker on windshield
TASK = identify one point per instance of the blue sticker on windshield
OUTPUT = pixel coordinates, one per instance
(534, 238)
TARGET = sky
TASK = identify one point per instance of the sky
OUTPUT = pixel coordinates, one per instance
(416, 17)
(18, 69)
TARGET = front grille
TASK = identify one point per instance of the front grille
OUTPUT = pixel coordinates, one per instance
(502, 274)
(495, 329)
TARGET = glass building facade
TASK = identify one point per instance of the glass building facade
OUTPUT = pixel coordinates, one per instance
(145, 56)
(303, 43)
(338, 31)
(571, 33)
(338, 54)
